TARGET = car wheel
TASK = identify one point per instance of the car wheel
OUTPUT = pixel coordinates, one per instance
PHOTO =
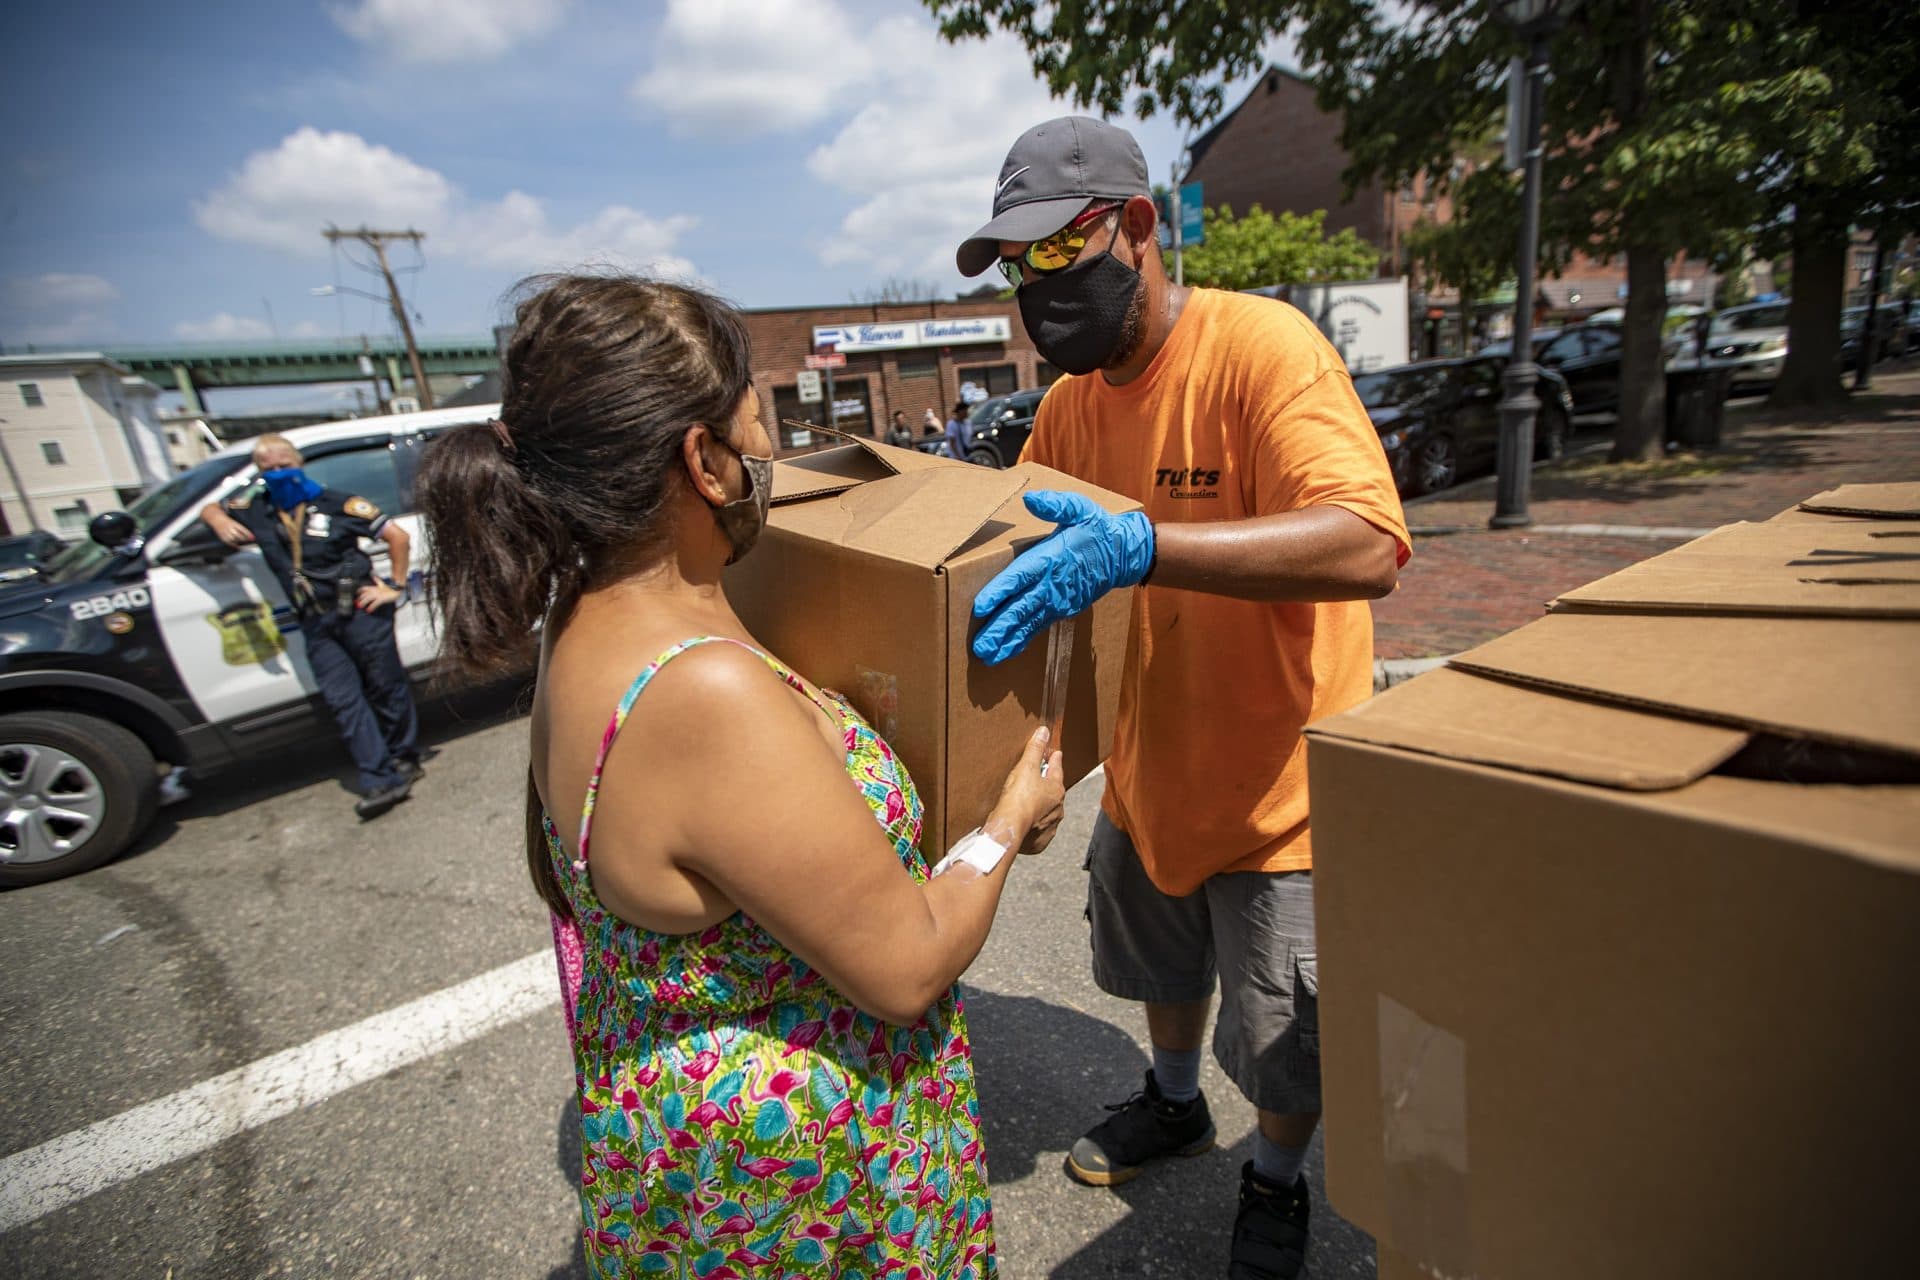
(983, 457)
(1437, 466)
(1550, 435)
(75, 790)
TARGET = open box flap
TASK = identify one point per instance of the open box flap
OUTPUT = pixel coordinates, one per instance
(1829, 679)
(835, 470)
(1867, 569)
(1877, 501)
(920, 517)
(1483, 721)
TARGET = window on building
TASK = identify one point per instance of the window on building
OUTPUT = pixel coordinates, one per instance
(927, 366)
(994, 379)
(174, 439)
(51, 451)
(72, 521)
(30, 395)
(1408, 195)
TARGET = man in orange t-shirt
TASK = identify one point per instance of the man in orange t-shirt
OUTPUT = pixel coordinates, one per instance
(1270, 519)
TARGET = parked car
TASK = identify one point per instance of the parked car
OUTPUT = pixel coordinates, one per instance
(1749, 341)
(1504, 346)
(997, 429)
(155, 649)
(1913, 324)
(1588, 357)
(1439, 420)
(22, 555)
(1890, 333)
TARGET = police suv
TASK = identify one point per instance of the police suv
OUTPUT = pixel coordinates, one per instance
(155, 649)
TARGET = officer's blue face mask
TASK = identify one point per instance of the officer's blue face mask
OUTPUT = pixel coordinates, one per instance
(288, 487)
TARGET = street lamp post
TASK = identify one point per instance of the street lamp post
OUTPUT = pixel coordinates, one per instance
(1534, 21)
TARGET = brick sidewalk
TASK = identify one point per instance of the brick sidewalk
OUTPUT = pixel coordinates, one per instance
(1470, 584)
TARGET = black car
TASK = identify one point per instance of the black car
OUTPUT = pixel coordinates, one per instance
(1440, 419)
(1588, 357)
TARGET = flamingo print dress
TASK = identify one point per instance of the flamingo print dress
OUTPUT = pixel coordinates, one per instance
(739, 1116)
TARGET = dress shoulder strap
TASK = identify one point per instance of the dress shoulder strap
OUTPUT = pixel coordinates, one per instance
(632, 695)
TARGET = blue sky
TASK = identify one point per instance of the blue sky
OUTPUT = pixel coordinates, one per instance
(169, 169)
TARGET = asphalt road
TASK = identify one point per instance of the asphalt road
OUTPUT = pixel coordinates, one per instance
(260, 915)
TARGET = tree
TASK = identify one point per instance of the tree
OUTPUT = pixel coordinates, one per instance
(1661, 116)
(1473, 251)
(895, 289)
(1264, 248)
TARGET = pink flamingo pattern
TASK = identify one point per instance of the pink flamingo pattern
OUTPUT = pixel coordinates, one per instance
(739, 1117)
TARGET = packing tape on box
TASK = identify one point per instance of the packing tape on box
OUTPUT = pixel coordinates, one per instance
(1423, 1136)
(879, 701)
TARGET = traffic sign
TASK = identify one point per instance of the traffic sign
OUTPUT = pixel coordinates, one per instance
(832, 360)
(807, 382)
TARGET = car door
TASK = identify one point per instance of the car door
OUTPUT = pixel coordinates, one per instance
(372, 469)
(1476, 414)
(1566, 355)
(1600, 368)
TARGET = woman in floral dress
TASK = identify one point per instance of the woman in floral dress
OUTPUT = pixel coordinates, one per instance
(758, 968)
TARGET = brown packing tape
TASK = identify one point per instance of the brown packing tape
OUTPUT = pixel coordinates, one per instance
(1423, 1138)
(1880, 501)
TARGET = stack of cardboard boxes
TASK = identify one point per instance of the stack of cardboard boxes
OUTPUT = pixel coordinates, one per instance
(1619, 922)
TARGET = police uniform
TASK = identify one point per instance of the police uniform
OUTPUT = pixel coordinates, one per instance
(352, 650)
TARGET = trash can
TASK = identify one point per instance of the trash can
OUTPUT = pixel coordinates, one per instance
(1696, 407)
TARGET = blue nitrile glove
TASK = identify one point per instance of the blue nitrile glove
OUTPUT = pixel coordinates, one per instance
(1092, 552)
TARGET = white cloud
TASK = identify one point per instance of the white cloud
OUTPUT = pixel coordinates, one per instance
(223, 326)
(58, 307)
(448, 30)
(737, 67)
(282, 199)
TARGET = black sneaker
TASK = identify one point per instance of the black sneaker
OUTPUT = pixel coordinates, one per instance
(1270, 1231)
(409, 767)
(377, 802)
(1144, 1127)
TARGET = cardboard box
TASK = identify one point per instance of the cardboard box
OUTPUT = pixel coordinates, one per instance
(864, 582)
(1604, 990)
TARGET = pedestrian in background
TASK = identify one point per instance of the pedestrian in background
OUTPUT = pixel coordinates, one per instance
(958, 436)
(310, 537)
(899, 435)
(757, 965)
(1270, 518)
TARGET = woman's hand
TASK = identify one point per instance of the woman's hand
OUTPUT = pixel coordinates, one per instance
(1032, 799)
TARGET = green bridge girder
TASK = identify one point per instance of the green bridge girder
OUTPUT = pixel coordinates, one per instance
(193, 367)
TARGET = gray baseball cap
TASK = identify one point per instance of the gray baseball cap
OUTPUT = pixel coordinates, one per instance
(1054, 171)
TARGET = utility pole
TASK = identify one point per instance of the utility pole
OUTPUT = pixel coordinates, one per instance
(26, 503)
(378, 242)
(1173, 205)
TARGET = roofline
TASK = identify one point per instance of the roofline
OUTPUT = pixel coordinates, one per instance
(54, 358)
(1200, 145)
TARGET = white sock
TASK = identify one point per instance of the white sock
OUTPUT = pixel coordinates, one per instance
(1177, 1072)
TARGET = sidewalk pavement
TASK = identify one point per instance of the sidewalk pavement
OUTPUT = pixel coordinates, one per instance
(1467, 584)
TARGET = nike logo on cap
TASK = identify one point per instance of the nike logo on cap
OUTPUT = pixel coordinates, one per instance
(1010, 177)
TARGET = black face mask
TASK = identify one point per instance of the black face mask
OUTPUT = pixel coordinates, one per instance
(1078, 317)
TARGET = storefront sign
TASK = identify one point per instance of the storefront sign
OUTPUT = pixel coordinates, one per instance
(901, 335)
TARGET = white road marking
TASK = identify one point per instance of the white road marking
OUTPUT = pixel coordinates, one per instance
(44, 1179)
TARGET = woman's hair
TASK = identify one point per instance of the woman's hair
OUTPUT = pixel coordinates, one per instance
(602, 378)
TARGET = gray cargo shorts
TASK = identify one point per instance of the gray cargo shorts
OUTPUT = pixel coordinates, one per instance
(1255, 927)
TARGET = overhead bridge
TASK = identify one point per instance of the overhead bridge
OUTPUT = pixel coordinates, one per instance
(193, 367)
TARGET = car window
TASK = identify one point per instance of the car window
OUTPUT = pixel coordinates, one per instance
(986, 411)
(1481, 375)
(150, 511)
(1565, 347)
(366, 472)
(1602, 342)
(1758, 318)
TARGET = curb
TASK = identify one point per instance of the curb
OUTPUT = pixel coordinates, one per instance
(1388, 672)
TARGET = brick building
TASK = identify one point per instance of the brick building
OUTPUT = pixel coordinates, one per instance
(911, 356)
(1279, 150)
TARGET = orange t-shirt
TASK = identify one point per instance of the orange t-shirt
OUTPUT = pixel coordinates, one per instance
(1247, 411)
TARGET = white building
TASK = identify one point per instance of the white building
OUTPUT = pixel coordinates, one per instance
(190, 441)
(78, 436)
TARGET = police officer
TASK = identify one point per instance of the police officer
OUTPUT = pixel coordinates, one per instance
(310, 537)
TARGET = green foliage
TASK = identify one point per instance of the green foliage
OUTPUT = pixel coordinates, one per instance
(1474, 251)
(1264, 248)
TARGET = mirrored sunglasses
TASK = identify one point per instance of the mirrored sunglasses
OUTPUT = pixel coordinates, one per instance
(1055, 253)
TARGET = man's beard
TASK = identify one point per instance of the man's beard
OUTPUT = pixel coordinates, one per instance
(1133, 330)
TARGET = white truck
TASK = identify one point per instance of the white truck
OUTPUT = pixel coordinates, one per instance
(1365, 320)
